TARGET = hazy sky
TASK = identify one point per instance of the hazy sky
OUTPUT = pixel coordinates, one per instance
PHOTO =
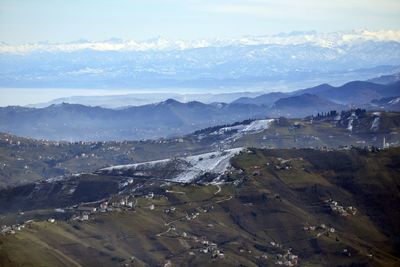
(24, 21)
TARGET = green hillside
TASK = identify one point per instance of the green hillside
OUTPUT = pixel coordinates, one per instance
(282, 207)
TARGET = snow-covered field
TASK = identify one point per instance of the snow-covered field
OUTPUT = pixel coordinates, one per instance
(376, 121)
(188, 168)
(351, 120)
(148, 164)
(375, 124)
(394, 101)
(241, 129)
(254, 126)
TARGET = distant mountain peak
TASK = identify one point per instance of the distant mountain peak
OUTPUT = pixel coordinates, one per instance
(305, 100)
(386, 79)
(170, 101)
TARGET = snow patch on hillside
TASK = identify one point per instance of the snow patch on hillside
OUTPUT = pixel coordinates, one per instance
(148, 164)
(376, 121)
(394, 101)
(188, 168)
(351, 121)
(238, 131)
(215, 162)
(254, 126)
(258, 125)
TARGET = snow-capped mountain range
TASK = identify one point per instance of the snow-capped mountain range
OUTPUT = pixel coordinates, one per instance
(283, 62)
(327, 40)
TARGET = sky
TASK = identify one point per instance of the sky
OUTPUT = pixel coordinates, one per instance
(24, 21)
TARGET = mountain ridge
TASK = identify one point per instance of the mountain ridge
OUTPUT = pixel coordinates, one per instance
(354, 92)
(212, 67)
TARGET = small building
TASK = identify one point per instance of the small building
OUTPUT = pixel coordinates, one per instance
(86, 209)
(104, 205)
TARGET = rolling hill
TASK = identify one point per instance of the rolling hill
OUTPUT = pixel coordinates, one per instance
(25, 160)
(73, 122)
(290, 207)
(386, 79)
(355, 93)
(307, 103)
(265, 99)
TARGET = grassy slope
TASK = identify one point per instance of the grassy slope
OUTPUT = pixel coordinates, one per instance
(270, 205)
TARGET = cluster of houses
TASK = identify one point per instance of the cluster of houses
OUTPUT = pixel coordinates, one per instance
(341, 210)
(82, 217)
(212, 249)
(318, 227)
(192, 216)
(207, 247)
(116, 203)
(284, 164)
(6, 140)
(164, 141)
(287, 258)
(12, 229)
(321, 229)
(170, 210)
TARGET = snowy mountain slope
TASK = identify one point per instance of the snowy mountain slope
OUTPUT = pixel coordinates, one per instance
(232, 133)
(329, 40)
(251, 61)
(254, 126)
(182, 170)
